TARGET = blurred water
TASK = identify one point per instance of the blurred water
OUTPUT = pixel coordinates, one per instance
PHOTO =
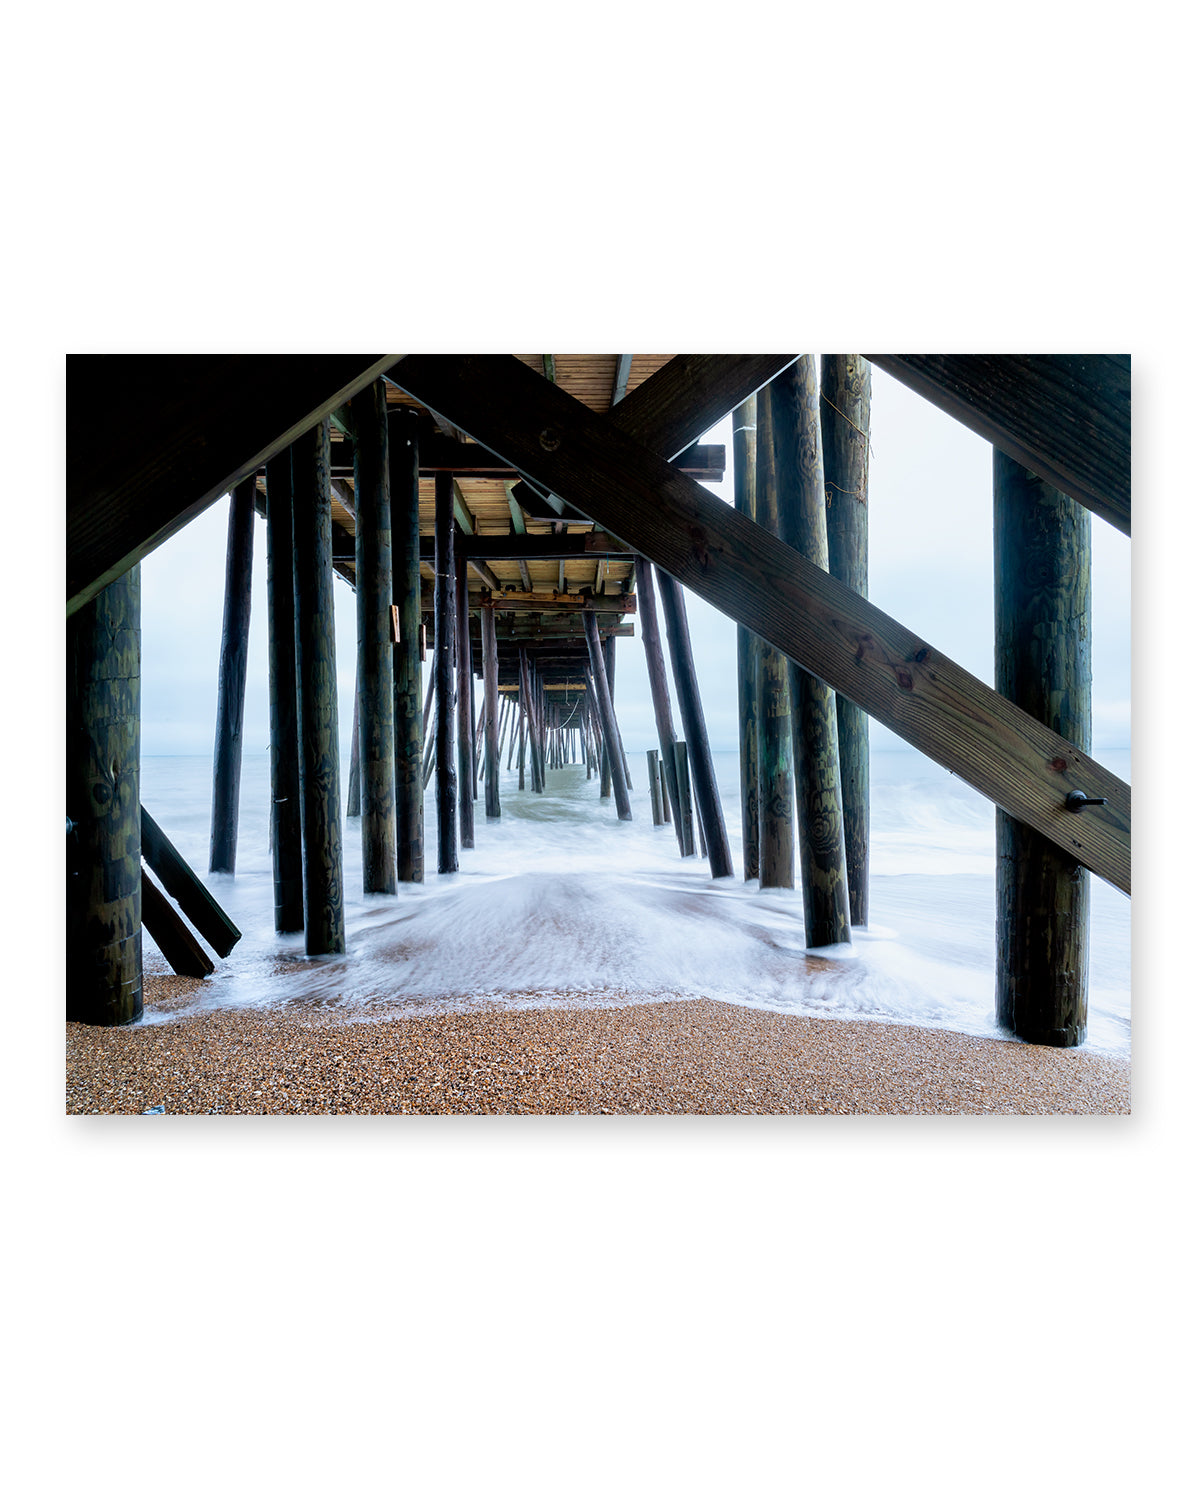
(559, 896)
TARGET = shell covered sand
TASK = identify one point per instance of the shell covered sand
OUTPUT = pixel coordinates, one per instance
(681, 1057)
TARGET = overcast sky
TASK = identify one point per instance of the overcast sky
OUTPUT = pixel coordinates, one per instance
(930, 567)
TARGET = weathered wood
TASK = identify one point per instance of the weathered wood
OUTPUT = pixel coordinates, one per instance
(744, 429)
(316, 669)
(714, 840)
(195, 900)
(492, 724)
(153, 440)
(464, 727)
(287, 850)
(104, 858)
(662, 781)
(776, 763)
(537, 776)
(608, 719)
(795, 400)
(656, 808)
(845, 445)
(620, 378)
(733, 564)
(660, 696)
(231, 680)
(373, 597)
(609, 646)
(354, 789)
(410, 724)
(1043, 662)
(1065, 417)
(679, 753)
(444, 640)
(176, 940)
(680, 402)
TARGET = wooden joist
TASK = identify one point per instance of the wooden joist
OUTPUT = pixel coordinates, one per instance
(758, 580)
(1065, 417)
(153, 440)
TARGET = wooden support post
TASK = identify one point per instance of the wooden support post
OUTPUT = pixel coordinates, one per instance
(795, 401)
(776, 839)
(316, 668)
(176, 940)
(444, 629)
(104, 845)
(1043, 605)
(610, 668)
(845, 441)
(476, 721)
(530, 724)
(679, 753)
(409, 725)
(744, 428)
(354, 789)
(521, 742)
(691, 711)
(662, 781)
(491, 709)
(287, 849)
(660, 695)
(373, 594)
(231, 684)
(466, 762)
(656, 810)
(608, 718)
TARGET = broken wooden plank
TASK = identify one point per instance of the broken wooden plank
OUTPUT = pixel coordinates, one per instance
(196, 901)
(179, 944)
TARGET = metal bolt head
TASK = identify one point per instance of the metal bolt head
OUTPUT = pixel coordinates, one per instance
(549, 439)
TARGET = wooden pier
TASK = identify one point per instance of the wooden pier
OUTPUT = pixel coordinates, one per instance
(507, 519)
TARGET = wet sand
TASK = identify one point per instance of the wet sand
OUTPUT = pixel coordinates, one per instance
(679, 1057)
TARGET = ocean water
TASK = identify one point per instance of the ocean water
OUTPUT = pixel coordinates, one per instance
(560, 897)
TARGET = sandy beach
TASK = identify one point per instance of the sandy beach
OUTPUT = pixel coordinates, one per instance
(681, 1057)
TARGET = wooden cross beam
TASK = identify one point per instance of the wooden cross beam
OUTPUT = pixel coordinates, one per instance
(1065, 417)
(153, 440)
(761, 582)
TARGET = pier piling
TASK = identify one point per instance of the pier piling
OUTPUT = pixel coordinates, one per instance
(231, 682)
(409, 723)
(287, 849)
(444, 630)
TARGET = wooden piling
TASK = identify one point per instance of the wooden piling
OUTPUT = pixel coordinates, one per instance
(610, 670)
(795, 398)
(177, 942)
(409, 724)
(744, 428)
(1043, 664)
(354, 787)
(679, 753)
(691, 711)
(660, 696)
(373, 595)
(656, 810)
(776, 836)
(845, 442)
(537, 777)
(104, 845)
(465, 727)
(287, 849)
(231, 682)
(444, 631)
(608, 718)
(316, 670)
(491, 711)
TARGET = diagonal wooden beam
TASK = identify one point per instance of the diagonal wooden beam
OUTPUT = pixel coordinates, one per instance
(621, 377)
(153, 440)
(762, 583)
(1065, 417)
(680, 402)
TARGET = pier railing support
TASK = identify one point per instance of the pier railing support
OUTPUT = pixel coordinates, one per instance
(316, 667)
(409, 722)
(286, 840)
(104, 840)
(608, 718)
(231, 684)
(845, 444)
(776, 835)
(444, 632)
(744, 428)
(1043, 603)
(373, 594)
(795, 398)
